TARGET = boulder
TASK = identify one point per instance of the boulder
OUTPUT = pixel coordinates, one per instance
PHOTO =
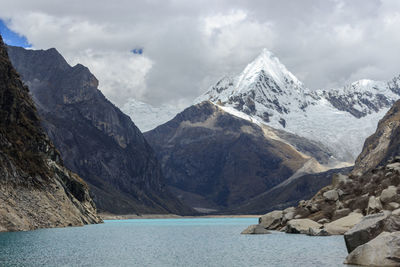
(394, 166)
(342, 225)
(288, 214)
(384, 250)
(367, 229)
(301, 226)
(389, 194)
(393, 206)
(324, 221)
(340, 213)
(374, 204)
(317, 232)
(338, 179)
(331, 195)
(271, 220)
(255, 229)
(396, 212)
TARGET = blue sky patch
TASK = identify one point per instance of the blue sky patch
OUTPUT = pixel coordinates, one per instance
(137, 51)
(12, 38)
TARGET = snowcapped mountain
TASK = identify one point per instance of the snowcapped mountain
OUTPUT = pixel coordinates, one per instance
(341, 119)
(147, 117)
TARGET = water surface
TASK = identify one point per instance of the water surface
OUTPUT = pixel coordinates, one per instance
(168, 242)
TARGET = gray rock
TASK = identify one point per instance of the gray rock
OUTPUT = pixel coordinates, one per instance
(342, 225)
(339, 178)
(374, 204)
(255, 229)
(384, 250)
(288, 214)
(318, 232)
(370, 227)
(341, 213)
(301, 226)
(331, 195)
(388, 194)
(393, 206)
(396, 212)
(271, 220)
(324, 221)
(393, 166)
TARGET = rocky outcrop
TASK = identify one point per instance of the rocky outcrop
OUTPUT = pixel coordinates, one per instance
(36, 191)
(95, 138)
(211, 157)
(255, 229)
(383, 144)
(289, 193)
(384, 250)
(370, 227)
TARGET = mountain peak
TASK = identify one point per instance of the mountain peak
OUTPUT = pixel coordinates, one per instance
(267, 64)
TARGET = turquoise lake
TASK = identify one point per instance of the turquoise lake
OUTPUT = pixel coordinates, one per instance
(168, 242)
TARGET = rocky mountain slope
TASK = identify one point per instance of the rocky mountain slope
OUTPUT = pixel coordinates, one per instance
(147, 117)
(36, 191)
(95, 138)
(267, 93)
(364, 205)
(213, 160)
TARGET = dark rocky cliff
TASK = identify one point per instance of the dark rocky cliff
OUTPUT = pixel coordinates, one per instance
(95, 138)
(36, 191)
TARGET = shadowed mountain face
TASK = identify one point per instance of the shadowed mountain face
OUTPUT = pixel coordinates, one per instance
(383, 144)
(36, 191)
(214, 160)
(95, 138)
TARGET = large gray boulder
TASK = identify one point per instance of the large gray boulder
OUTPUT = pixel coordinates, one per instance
(384, 250)
(255, 229)
(370, 227)
(331, 195)
(389, 194)
(271, 220)
(301, 226)
(342, 225)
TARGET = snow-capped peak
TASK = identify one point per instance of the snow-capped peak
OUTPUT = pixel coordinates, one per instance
(266, 64)
(339, 118)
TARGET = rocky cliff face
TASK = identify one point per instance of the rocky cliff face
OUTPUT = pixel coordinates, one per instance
(95, 138)
(383, 144)
(216, 161)
(36, 191)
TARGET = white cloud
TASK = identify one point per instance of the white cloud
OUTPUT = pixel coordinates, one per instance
(189, 44)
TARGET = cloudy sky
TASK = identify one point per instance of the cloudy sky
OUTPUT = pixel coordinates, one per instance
(187, 45)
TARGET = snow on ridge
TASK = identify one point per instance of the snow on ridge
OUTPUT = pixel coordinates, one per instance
(147, 117)
(266, 92)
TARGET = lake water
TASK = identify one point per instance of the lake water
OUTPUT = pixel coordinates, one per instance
(168, 242)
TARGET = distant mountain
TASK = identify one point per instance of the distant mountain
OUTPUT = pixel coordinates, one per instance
(95, 138)
(147, 117)
(36, 191)
(341, 119)
(215, 161)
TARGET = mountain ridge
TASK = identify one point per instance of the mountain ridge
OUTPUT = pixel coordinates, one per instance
(95, 138)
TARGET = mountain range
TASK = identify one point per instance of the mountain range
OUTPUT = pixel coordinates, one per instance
(95, 139)
(324, 129)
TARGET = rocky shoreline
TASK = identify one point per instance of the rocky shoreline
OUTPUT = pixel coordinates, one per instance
(368, 219)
